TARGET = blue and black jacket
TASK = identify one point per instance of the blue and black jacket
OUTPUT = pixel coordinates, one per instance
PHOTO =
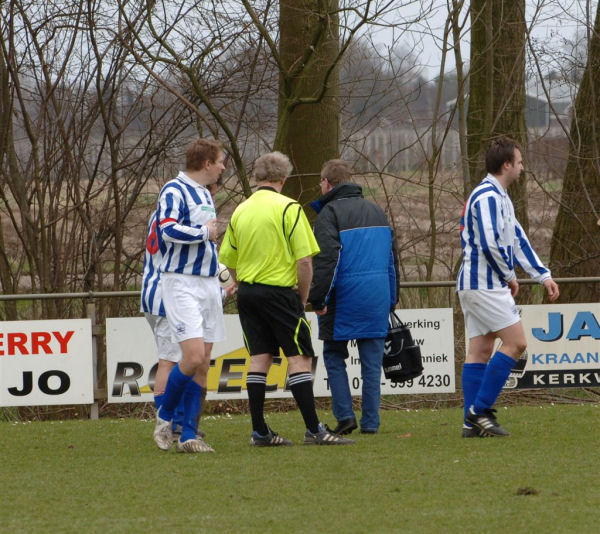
(356, 272)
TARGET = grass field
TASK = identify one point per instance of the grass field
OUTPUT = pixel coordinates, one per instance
(416, 475)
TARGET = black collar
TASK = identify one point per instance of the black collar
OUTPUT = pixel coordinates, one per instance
(267, 188)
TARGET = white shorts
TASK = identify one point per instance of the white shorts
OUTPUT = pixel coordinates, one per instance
(487, 310)
(166, 348)
(194, 307)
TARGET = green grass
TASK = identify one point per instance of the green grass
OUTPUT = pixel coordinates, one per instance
(416, 475)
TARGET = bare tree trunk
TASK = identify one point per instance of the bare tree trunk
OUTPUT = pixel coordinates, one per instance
(479, 114)
(460, 97)
(575, 248)
(510, 104)
(7, 284)
(497, 102)
(308, 112)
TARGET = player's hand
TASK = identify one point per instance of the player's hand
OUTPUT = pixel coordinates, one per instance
(514, 287)
(552, 289)
(321, 312)
(212, 229)
(230, 291)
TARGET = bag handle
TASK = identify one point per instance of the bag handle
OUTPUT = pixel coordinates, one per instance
(395, 321)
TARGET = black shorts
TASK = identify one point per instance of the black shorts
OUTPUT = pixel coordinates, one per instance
(272, 317)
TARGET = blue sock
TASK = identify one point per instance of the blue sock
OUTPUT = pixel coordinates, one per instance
(192, 400)
(178, 414)
(472, 376)
(494, 378)
(158, 400)
(176, 384)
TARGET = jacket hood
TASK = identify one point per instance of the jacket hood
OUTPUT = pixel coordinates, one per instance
(345, 190)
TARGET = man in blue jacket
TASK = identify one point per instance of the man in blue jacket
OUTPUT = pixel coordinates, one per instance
(354, 287)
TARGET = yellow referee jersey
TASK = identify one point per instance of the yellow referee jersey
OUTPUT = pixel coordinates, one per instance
(267, 235)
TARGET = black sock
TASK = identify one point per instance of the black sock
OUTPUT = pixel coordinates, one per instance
(256, 385)
(302, 389)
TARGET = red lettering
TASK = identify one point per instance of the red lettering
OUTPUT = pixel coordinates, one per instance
(1, 344)
(40, 340)
(63, 340)
(16, 340)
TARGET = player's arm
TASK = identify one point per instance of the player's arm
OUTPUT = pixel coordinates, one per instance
(228, 253)
(530, 262)
(527, 258)
(513, 285)
(303, 246)
(170, 210)
(305, 274)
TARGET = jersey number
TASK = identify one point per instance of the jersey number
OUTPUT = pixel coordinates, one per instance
(152, 241)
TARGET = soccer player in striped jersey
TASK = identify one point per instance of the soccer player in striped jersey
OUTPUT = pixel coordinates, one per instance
(187, 231)
(493, 243)
(168, 351)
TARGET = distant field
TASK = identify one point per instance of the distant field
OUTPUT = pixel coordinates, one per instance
(417, 475)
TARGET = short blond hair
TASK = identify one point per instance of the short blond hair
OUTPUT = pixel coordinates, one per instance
(272, 167)
(336, 171)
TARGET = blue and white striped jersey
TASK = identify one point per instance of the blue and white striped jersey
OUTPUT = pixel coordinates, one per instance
(184, 208)
(151, 301)
(493, 241)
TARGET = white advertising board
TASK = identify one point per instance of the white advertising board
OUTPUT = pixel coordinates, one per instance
(132, 360)
(563, 347)
(46, 362)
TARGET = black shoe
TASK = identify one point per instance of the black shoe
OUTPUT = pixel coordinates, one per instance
(472, 432)
(345, 427)
(368, 431)
(486, 422)
(270, 439)
(325, 437)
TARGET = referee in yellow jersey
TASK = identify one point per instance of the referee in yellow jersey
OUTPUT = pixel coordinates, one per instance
(268, 248)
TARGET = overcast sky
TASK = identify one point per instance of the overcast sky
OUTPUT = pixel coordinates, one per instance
(551, 22)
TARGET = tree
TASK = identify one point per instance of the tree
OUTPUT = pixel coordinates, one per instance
(497, 86)
(82, 134)
(575, 248)
(301, 44)
(308, 116)
(7, 280)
